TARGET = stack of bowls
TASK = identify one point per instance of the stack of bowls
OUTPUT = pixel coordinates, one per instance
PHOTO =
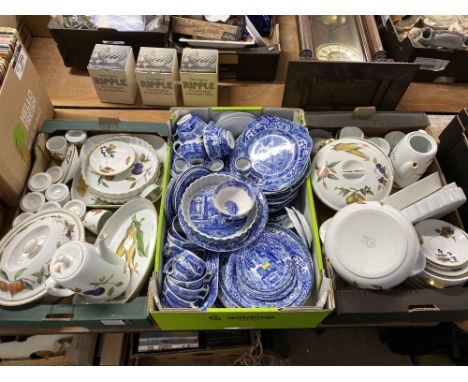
(445, 247)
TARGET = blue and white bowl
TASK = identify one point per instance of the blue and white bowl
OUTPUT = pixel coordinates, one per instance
(186, 266)
(192, 294)
(234, 199)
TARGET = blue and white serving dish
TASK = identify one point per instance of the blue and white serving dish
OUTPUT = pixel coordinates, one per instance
(244, 235)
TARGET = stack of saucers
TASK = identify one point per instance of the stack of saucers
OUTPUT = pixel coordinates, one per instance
(278, 153)
(275, 271)
(445, 247)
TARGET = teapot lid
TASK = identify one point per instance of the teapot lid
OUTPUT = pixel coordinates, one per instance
(67, 260)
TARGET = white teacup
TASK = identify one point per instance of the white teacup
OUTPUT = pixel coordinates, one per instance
(57, 147)
(350, 132)
(93, 271)
(94, 220)
(58, 192)
(152, 192)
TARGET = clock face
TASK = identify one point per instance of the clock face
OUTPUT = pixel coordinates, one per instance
(338, 52)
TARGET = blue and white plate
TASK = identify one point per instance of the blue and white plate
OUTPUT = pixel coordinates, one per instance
(251, 235)
(233, 295)
(279, 157)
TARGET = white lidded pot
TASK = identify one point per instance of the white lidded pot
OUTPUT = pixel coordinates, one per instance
(373, 246)
(93, 271)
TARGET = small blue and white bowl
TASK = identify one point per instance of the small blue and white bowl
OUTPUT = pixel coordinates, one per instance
(234, 199)
(185, 266)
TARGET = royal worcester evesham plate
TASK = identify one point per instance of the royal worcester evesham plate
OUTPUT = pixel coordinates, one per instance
(131, 234)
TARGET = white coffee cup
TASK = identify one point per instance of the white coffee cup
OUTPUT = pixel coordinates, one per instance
(94, 220)
(381, 143)
(412, 156)
(350, 132)
(93, 271)
(57, 147)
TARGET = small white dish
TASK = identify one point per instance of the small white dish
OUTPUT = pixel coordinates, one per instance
(21, 218)
(393, 137)
(305, 226)
(112, 158)
(436, 205)
(76, 206)
(414, 192)
(50, 206)
(234, 199)
(56, 173)
(436, 280)
(381, 144)
(58, 192)
(443, 244)
(76, 137)
(39, 182)
(323, 229)
(32, 202)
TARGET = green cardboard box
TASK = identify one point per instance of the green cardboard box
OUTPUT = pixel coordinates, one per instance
(319, 305)
(44, 314)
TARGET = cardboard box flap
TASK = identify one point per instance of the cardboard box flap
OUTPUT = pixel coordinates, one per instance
(105, 125)
(382, 119)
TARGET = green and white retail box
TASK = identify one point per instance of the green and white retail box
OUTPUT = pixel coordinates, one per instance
(318, 306)
(48, 313)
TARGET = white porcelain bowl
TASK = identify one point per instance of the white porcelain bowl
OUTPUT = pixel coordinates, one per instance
(39, 182)
(373, 246)
(50, 206)
(58, 192)
(32, 202)
(56, 173)
(76, 137)
(76, 206)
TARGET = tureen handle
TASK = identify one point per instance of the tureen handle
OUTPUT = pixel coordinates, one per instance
(420, 264)
(54, 289)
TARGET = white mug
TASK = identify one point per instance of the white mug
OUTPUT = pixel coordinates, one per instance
(57, 147)
(412, 156)
(94, 220)
(93, 271)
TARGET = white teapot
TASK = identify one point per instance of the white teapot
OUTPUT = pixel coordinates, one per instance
(90, 270)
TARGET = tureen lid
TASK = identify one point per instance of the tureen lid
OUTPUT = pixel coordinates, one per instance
(26, 251)
(351, 170)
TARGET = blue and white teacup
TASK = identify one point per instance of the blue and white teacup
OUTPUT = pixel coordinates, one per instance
(174, 301)
(194, 284)
(190, 127)
(179, 165)
(186, 266)
(193, 151)
(219, 142)
(243, 165)
(187, 294)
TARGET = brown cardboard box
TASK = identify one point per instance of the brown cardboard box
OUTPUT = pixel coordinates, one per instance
(206, 30)
(24, 105)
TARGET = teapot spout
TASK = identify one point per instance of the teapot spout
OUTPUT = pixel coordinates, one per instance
(407, 169)
(106, 253)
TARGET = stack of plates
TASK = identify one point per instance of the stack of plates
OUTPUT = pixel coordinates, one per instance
(445, 247)
(279, 151)
(120, 168)
(275, 271)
